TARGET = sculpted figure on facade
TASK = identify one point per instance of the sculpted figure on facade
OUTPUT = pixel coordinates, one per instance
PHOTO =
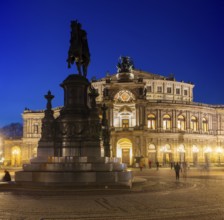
(125, 65)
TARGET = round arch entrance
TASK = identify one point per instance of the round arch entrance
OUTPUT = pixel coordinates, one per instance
(124, 150)
(15, 156)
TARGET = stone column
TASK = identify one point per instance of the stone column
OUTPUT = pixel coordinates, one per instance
(188, 119)
(141, 115)
(137, 114)
(174, 121)
(159, 123)
(200, 122)
(111, 116)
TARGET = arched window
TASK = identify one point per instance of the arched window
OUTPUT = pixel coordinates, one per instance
(181, 122)
(35, 128)
(166, 122)
(151, 121)
(194, 123)
(151, 148)
(204, 125)
(125, 115)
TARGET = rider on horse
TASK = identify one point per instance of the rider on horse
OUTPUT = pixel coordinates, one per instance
(79, 50)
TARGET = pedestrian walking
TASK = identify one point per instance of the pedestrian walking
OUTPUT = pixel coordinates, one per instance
(184, 171)
(142, 163)
(150, 164)
(177, 169)
(157, 165)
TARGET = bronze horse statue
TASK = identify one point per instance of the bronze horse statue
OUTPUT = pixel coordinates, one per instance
(79, 50)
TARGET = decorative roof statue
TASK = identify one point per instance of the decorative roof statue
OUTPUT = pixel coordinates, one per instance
(78, 50)
(125, 65)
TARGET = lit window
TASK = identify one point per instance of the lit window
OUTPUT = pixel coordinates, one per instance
(125, 123)
(151, 121)
(194, 123)
(181, 122)
(149, 88)
(178, 91)
(204, 125)
(166, 122)
(159, 89)
(35, 128)
(169, 90)
(152, 148)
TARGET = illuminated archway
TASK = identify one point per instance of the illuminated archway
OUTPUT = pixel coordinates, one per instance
(152, 153)
(124, 150)
(166, 153)
(16, 156)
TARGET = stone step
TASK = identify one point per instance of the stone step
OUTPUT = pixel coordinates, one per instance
(84, 159)
(74, 178)
(74, 166)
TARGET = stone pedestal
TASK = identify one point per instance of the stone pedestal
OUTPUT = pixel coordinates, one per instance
(69, 150)
(76, 171)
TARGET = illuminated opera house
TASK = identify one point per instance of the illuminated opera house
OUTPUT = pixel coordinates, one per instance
(150, 116)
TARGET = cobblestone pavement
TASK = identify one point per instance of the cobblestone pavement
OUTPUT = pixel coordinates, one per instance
(199, 196)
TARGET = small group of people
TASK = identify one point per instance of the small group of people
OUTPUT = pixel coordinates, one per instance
(178, 167)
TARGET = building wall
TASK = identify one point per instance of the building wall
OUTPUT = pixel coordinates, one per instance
(192, 144)
(131, 103)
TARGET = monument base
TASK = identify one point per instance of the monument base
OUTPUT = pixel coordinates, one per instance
(76, 171)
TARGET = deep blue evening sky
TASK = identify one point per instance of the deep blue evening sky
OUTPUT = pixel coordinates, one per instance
(184, 37)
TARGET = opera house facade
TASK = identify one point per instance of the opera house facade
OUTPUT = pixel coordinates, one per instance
(150, 116)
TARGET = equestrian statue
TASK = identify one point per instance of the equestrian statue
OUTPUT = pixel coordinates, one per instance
(78, 50)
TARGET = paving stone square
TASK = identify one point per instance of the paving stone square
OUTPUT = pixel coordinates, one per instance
(154, 195)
